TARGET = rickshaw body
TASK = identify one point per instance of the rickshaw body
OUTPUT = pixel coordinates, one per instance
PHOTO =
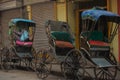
(19, 52)
(61, 40)
(98, 30)
(22, 47)
(60, 37)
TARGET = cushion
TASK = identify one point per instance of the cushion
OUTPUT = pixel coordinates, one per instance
(63, 44)
(99, 46)
(96, 35)
(62, 36)
(93, 35)
(23, 43)
(98, 43)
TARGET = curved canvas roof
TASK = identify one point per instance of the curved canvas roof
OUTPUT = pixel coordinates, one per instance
(94, 15)
(21, 20)
(17, 20)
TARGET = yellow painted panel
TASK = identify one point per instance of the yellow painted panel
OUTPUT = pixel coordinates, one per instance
(71, 16)
(114, 45)
(61, 12)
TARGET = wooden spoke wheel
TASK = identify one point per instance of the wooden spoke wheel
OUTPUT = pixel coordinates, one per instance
(112, 59)
(107, 73)
(12, 57)
(42, 71)
(72, 65)
(6, 59)
(43, 64)
(1, 50)
(46, 58)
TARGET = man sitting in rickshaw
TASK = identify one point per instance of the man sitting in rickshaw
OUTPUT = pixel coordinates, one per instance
(23, 35)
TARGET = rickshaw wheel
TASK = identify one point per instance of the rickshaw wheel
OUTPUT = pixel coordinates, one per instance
(30, 61)
(106, 73)
(72, 67)
(33, 60)
(46, 58)
(1, 58)
(6, 59)
(42, 71)
(112, 59)
(12, 53)
(43, 64)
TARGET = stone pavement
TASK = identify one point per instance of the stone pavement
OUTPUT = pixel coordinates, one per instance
(29, 75)
(24, 75)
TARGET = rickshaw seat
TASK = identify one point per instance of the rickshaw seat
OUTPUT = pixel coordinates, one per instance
(96, 40)
(93, 35)
(61, 36)
(62, 39)
(23, 43)
(64, 44)
(98, 43)
(97, 36)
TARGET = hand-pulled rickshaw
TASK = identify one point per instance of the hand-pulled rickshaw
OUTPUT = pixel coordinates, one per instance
(21, 34)
(60, 37)
(98, 30)
(20, 52)
(61, 41)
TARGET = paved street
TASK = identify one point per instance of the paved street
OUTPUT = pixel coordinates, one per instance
(24, 75)
(29, 75)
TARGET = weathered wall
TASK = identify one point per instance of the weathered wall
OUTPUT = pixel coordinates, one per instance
(114, 45)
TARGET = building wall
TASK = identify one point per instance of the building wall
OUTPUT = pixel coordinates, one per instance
(61, 11)
(66, 12)
(114, 45)
(41, 13)
(6, 16)
(9, 4)
(26, 2)
(71, 15)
